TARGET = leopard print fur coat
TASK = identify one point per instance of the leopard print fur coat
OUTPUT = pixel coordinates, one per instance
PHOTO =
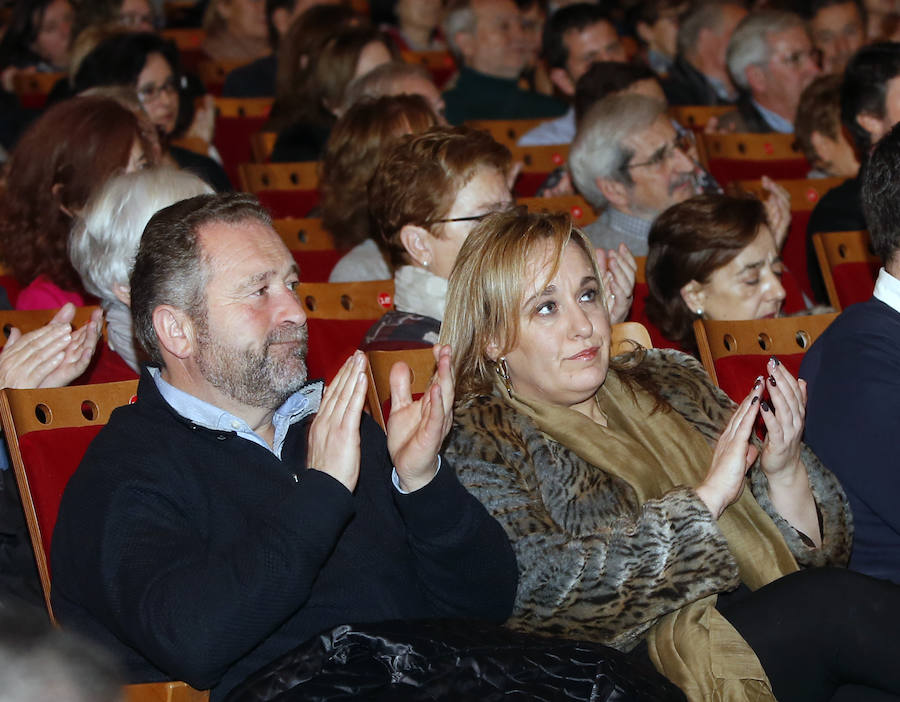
(593, 563)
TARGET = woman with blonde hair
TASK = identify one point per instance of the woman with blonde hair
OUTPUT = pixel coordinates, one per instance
(621, 485)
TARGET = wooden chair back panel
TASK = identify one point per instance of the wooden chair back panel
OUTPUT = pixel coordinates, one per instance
(29, 320)
(848, 264)
(213, 73)
(805, 192)
(303, 233)
(32, 89)
(735, 352)
(582, 213)
(439, 64)
(505, 131)
(243, 107)
(257, 177)
(750, 156)
(696, 117)
(172, 691)
(540, 159)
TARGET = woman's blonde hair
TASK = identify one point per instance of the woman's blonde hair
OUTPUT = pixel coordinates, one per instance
(488, 283)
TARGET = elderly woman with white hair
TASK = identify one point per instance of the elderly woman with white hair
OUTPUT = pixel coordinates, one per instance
(105, 239)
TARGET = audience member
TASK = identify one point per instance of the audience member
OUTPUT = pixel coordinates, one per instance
(699, 75)
(533, 16)
(236, 30)
(40, 662)
(357, 142)
(105, 238)
(711, 257)
(417, 27)
(870, 106)
(306, 118)
(880, 15)
(257, 78)
(266, 514)
(37, 38)
(487, 40)
(771, 59)
(395, 78)
(149, 65)
(628, 159)
(426, 195)
(130, 15)
(853, 372)
(655, 24)
(837, 28)
(60, 161)
(819, 133)
(623, 486)
(574, 38)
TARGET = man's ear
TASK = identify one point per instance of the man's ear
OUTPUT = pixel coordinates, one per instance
(417, 242)
(175, 331)
(560, 78)
(466, 43)
(872, 124)
(281, 20)
(615, 192)
(756, 78)
(693, 295)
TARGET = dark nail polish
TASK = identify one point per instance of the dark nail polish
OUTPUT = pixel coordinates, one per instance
(757, 383)
(775, 360)
(771, 381)
(764, 405)
(754, 400)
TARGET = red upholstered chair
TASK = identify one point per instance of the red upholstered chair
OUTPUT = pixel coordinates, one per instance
(805, 194)
(746, 156)
(32, 89)
(639, 312)
(213, 73)
(537, 163)
(734, 353)
(338, 317)
(582, 213)
(189, 41)
(285, 189)
(624, 338)
(9, 283)
(439, 64)
(262, 144)
(696, 117)
(237, 119)
(48, 431)
(506, 131)
(311, 245)
(848, 266)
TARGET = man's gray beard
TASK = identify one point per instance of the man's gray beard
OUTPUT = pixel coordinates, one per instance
(255, 380)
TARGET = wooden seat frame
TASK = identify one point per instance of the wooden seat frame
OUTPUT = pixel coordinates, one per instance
(834, 248)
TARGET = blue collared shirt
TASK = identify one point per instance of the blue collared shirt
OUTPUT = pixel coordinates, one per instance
(298, 406)
(777, 122)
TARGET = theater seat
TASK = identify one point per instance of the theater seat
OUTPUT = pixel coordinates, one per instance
(749, 156)
(849, 267)
(285, 189)
(734, 353)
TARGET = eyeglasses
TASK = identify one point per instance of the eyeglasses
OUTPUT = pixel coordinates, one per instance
(150, 92)
(666, 153)
(136, 19)
(475, 218)
(795, 59)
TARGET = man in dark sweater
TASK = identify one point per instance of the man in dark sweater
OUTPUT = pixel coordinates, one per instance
(853, 372)
(231, 513)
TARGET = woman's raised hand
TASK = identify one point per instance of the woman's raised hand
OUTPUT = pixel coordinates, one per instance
(784, 414)
(733, 456)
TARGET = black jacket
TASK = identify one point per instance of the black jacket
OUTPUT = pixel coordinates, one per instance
(198, 555)
(688, 86)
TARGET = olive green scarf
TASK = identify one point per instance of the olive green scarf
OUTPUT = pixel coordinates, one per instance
(695, 646)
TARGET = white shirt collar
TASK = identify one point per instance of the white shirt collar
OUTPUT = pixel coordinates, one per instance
(887, 289)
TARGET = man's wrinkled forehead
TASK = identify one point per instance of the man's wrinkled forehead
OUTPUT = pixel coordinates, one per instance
(645, 141)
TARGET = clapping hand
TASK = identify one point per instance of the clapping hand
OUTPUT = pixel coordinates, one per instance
(619, 270)
(416, 429)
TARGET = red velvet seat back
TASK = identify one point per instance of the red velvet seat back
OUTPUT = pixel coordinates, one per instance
(316, 265)
(51, 457)
(736, 374)
(793, 253)
(793, 296)
(288, 203)
(12, 287)
(331, 342)
(855, 281)
(232, 140)
(527, 184)
(724, 170)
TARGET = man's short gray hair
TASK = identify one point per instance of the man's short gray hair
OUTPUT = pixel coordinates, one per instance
(749, 45)
(458, 17)
(380, 81)
(106, 236)
(599, 151)
(706, 15)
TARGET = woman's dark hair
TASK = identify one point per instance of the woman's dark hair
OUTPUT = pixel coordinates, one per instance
(309, 90)
(120, 59)
(355, 147)
(690, 241)
(21, 32)
(59, 162)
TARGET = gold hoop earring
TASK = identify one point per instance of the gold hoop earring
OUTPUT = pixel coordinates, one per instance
(503, 371)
